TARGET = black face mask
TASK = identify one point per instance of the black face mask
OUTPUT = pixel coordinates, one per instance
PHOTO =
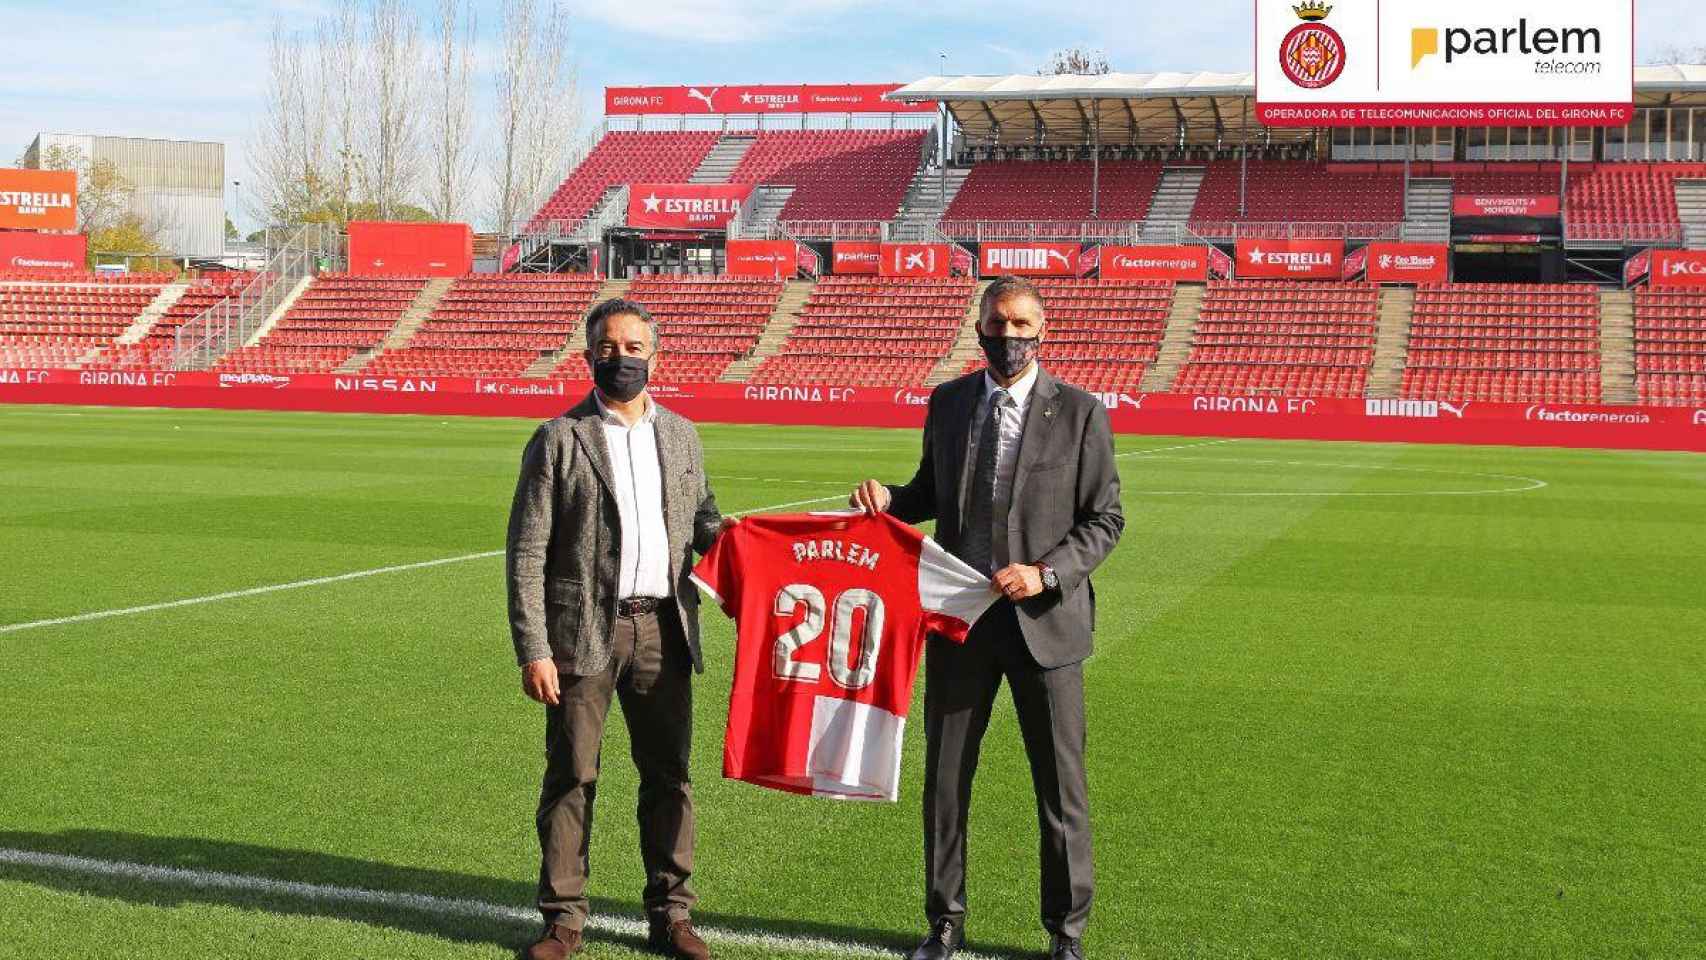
(1009, 356)
(620, 378)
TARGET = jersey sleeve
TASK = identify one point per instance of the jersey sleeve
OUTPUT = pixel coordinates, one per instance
(952, 594)
(718, 572)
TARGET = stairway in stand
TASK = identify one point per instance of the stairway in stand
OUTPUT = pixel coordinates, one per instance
(775, 333)
(1617, 346)
(721, 162)
(1170, 210)
(576, 346)
(965, 348)
(411, 320)
(1176, 341)
(1429, 204)
(1391, 341)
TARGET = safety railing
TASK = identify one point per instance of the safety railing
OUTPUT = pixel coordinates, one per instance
(229, 324)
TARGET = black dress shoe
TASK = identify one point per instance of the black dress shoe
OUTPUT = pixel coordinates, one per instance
(945, 937)
(1065, 948)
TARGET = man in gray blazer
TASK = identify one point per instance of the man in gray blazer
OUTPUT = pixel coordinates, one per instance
(1018, 472)
(610, 507)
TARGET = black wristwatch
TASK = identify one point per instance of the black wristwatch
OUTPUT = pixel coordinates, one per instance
(1050, 580)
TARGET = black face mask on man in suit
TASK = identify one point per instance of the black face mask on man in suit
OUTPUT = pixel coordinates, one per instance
(1009, 356)
(621, 378)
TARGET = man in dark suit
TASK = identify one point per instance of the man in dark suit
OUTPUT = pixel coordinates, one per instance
(610, 507)
(1018, 472)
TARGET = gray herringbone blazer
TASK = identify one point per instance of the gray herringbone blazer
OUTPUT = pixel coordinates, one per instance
(565, 537)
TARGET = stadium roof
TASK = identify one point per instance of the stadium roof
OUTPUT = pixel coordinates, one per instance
(1145, 107)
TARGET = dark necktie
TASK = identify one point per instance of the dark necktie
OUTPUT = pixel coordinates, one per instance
(980, 505)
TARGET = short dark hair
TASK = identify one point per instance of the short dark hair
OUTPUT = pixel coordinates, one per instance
(1006, 287)
(616, 307)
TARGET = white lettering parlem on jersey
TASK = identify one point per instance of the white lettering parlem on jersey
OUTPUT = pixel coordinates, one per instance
(831, 612)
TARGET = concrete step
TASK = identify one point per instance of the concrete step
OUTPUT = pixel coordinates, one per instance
(576, 344)
(1391, 341)
(1176, 340)
(721, 162)
(1617, 346)
(151, 314)
(284, 304)
(781, 322)
(964, 347)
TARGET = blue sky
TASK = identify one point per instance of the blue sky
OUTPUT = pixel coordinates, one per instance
(194, 69)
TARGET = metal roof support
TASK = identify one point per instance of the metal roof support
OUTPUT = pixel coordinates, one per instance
(1131, 115)
(1095, 163)
(1244, 161)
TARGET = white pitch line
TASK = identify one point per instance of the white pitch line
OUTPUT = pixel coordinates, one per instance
(299, 584)
(1531, 483)
(249, 592)
(1182, 446)
(419, 903)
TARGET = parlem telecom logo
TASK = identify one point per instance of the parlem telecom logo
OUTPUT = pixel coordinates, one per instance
(1312, 55)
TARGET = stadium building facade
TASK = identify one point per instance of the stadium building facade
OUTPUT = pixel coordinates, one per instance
(180, 184)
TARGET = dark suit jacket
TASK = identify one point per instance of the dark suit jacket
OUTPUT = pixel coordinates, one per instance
(564, 549)
(1066, 501)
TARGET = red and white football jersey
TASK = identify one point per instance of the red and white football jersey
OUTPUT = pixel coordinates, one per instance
(831, 611)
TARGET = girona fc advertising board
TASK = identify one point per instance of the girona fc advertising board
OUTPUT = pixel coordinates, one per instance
(759, 98)
(1413, 63)
(1155, 263)
(685, 206)
(915, 260)
(1291, 259)
(1033, 259)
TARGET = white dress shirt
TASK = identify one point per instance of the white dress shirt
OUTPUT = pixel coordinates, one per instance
(638, 478)
(1009, 430)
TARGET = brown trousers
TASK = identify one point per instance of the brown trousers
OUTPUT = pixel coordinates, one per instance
(650, 671)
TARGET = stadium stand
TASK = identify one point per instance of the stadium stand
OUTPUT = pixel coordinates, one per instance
(1602, 201)
(1670, 347)
(1102, 334)
(627, 156)
(1301, 194)
(493, 326)
(865, 331)
(1606, 199)
(704, 323)
(1504, 342)
(338, 316)
(154, 351)
(1284, 337)
(836, 174)
(63, 324)
(1054, 190)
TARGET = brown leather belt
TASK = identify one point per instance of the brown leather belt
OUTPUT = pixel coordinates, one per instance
(638, 606)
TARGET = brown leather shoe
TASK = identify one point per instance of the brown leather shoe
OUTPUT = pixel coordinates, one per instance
(558, 942)
(678, 940)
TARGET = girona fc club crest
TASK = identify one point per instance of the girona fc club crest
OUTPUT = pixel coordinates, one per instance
(1312, 54)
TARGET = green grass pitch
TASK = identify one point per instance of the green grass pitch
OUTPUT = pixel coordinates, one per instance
(1349, 701)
